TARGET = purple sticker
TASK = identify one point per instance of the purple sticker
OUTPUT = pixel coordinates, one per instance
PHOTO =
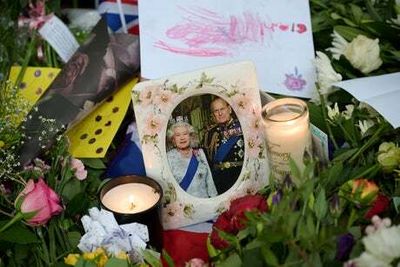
(37, 73)
(294, 81)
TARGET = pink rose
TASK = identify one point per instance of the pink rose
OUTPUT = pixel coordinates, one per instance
(196, 262)
(79, 169)
(39, 198)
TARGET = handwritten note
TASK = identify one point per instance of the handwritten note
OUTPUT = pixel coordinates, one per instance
(184, 35)
(381, 92)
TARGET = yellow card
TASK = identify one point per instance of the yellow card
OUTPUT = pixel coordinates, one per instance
(92, 136)
(35, 81)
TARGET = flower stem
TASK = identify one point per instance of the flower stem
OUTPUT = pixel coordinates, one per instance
(352, 218)
(27, 58)
(15, 219)
(328, 127)
(370, 142)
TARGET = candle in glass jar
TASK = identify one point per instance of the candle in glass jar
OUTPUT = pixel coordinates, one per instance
(287, 130)
(130, 198)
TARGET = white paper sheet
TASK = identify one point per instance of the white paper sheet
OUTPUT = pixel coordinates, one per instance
(184, 35)
(381, 92)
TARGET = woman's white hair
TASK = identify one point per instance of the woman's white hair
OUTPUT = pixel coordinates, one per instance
(194, 142)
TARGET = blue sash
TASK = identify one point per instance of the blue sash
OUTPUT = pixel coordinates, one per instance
(191, 170)
(224, 149)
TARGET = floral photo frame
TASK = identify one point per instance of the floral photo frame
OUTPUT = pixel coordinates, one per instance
(154, 102)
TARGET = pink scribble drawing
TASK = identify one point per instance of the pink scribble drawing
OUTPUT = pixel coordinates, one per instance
(294, 82)
(205, 33)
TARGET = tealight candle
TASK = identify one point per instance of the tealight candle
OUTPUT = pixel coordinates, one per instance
(287, 130)
(130, 198)
(135, 199)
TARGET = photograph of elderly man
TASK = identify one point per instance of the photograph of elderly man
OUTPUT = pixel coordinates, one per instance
(224, 145)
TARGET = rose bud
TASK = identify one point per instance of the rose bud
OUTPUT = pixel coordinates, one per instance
(360, 191)
(40, 200)
(380, 205)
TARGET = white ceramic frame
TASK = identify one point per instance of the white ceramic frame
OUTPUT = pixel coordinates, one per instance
(155, 100)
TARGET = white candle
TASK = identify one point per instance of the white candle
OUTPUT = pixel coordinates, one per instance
(287, 131)
(130, 198)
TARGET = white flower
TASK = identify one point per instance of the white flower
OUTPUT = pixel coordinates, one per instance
(363, 54)
(339, 45)
(367, 260)
(384, 243)
(334, 112)
(326, 75)
(348, 112)
(365, 125)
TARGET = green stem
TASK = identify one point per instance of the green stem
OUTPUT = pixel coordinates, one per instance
(19, 216)
(45, 250)
(328, 127)
(352, 218)
(27, 58)
(370, 142)
(365, 173)
(347, 135)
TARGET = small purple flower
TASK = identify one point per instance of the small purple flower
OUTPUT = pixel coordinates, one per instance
(344, 245)
(276, 198)
(294, 81)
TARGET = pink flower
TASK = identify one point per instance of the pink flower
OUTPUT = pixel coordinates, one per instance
(147, 94)
(153, 124)
(196, 262)
(39, 198)
(79, 169)
(254, 142)
(163, 99)
(242, 103)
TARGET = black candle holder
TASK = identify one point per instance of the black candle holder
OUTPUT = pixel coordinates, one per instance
(149, 217)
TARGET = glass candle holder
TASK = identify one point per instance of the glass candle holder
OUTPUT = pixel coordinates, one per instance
(287, 131)
(135, 199)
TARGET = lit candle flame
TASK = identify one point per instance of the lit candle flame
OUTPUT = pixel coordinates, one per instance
(131, 202)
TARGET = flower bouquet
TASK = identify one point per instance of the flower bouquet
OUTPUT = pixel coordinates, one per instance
(328, 214)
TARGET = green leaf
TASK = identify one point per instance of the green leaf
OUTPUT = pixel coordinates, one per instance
(168, 258)
(153, 258)
(78, 204)
(295, 172)
(396, 203)
(74, 238)
(321, 205)
(357, 13)
(232, 261)
(349, 33)
(94, 163)
(18, 233)
(269, 257)
(345, 155)
(71, 189)
(115, 262)
(252, 258)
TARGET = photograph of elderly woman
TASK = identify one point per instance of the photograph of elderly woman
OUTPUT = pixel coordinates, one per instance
(199, 142)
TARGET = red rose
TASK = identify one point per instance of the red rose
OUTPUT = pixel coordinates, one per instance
(244, 204)
(223, 224)
(40, 198)
(380, 204)
(234, 219)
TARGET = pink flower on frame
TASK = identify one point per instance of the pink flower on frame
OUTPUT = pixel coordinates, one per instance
(242, 103)
(164, 98)
(153, 124)
(146, 96)
(254, 143)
